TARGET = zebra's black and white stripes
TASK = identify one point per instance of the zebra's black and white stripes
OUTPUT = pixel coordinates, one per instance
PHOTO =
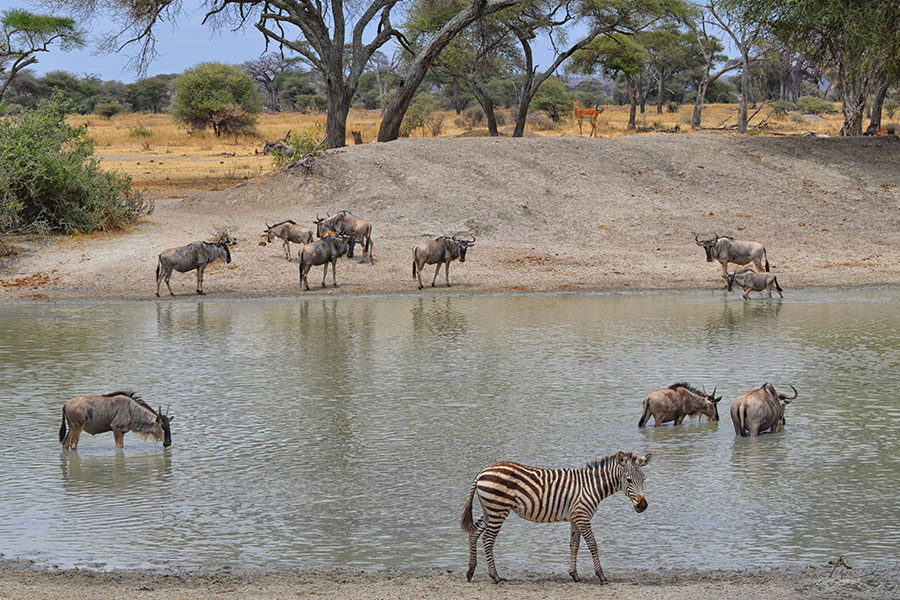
(548, 496)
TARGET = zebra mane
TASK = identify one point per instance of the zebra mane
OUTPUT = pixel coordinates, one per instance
(291, 221)
(607, 460)
(133, 396)
(688, 387)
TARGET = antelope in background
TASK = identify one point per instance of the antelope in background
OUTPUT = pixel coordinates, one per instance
(587, 114)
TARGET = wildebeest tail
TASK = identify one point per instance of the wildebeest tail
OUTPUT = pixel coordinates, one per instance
(767, 263)
(414, 269)
(466, 520)
(62, 428)
(301, 266)
(646, 415)
(777, 287)
(742, 415)
(157, 269)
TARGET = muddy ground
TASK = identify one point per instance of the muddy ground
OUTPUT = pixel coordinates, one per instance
(549, 214)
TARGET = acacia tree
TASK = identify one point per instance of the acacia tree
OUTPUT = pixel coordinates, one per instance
(669, 52)
(856, 41)
(23, 34)
(265, 70)
(711, 50)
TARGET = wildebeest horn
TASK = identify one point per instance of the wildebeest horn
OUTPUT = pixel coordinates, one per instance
(784, 397)
(713, 395)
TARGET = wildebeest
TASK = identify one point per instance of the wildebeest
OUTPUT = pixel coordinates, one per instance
(759, 410)
(752, 281)
(281, 146)
(289, 232)
(119, 412)
(195, 255)
(441, 250)
(322, 252)
(678, 401)
(726, 249)
(344, 223)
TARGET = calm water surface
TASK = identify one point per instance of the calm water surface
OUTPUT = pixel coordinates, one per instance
(324, 433)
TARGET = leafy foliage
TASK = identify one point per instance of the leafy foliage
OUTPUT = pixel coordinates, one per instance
(217, 95)
(553, 98)
(51, 181)
(813, 105)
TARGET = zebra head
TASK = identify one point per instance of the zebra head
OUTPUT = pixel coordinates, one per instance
(631, 478)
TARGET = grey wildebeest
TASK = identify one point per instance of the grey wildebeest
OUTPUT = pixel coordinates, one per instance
(759, 410)
(550, 496)
(344, 223)
(280, 147)
(289, 232)
(752, 281)
(678, 401)
(119, 412)
(726, 249)
(322, 252)
(195, 255)
(441, 251)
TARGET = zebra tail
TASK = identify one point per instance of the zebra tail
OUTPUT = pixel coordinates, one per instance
(466, 522)
(62, 428)
(778, 287)
(646, 416)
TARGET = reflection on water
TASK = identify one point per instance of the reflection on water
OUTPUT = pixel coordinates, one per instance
(346, 432)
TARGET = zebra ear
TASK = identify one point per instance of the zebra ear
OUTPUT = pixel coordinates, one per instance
(643, 460)
(620, 457)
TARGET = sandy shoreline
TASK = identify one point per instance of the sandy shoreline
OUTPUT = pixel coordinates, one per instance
(827, 210)
(21, 580)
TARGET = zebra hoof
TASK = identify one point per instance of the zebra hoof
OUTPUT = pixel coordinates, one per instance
(574, 576)
(470, 574)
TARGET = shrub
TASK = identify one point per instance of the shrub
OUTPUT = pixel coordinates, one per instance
(109, 109)
(813, 105)
(435, 124)
(503, 116)
(217, 95)
(51, 181)
(421, 108)
(140, 132)
(673, 106)
(781, 107)
(540, 121)
(890, 107)
(470, 118)
(552, 98)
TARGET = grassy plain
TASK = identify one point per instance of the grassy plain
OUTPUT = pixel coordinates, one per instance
(167, 160)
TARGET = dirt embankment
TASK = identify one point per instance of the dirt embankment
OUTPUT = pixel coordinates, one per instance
(563, 213)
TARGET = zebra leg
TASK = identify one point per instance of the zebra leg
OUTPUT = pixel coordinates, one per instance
(584, 526)
(492, 528)
(574, 541)
(473, 547)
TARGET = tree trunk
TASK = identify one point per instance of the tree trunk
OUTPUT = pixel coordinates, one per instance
(456, 103)
(488, 107)
(877, 105)
(745, 88)
(393, 117)
(336, 118)
(527, 92)
(632, 111)
(698, 103)
(854, 92)
(660, 90)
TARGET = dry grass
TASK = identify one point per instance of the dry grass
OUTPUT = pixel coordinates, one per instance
(172, 162)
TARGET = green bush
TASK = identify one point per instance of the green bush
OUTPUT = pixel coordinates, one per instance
(217, 95)
(109, 109)
(552, 98)
(782, 107)
(421, 108)
(140, 132)
(673, 106)
(813, 105)
(51, 181)
(890, 107)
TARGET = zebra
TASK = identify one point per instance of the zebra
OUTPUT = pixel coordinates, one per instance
(548, 496)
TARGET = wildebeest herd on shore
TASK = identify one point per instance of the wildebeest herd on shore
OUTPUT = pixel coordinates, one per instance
(537, 494)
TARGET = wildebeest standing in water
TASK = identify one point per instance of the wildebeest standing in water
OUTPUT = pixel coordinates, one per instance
(726, 249)
(751, 281)
(195, 255)
(119, 412)
(678, 401)
(344, 223)
(759, 410)
(289, 232)
(322, 252)
(441, 250)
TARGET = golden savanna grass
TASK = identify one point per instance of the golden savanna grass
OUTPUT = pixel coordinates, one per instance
(166, 160)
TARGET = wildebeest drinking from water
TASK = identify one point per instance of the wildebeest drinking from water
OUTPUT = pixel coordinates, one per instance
(119, 412)
(195, 255)
(441, 250)
(726, 249)
(289, 232)
(678, 401)
(322, 252)
(344, 223)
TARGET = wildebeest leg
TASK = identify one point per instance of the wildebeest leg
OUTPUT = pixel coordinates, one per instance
(679, 419)
(169, 274)
(76, 433)
(473, 547)
(492, 528)
(325, 272)
(200, 270)
(769, 289)
(447, 273)
(419, 274)
(436, 271)
(583, 522)
(725, 272)
(119, 437)
(574, 541)
(747, 294)
(334, 273)
(287, 249)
